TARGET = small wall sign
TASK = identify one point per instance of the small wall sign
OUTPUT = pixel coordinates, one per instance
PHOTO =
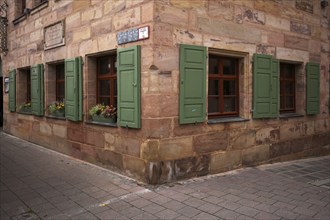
(132, 35)
(6, 84)
(54, 35)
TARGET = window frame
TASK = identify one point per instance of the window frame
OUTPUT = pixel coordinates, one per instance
(221, 77)
(59, 81)
(111, 76)
(282, 92)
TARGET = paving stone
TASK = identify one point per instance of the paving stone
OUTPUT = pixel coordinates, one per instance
(174, 205)
(203, 216)
(227, 214)
(286, 214)
(229, 205)
(153, 208)
(144, 216)
(141, 202)
(131, 212)
(160, 200)
(251, 212)
(210, 208)
(167, 214)
(85, 215)
(193, 202)
(189, 211)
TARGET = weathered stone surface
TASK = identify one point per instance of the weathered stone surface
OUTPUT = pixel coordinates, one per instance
(277, 22)
(300, 28)
(279, 149)
(76, 134)
(304, 5)
(130, 146)
(183, 36)
(60, 131)
(109, 157)
(73, 21)
(292, 54)
(80, 5)
(296, 42)
(175, 148)
(101, 26)
(252, 16)
(224, 161)
(189, 4)
(267, 135)
(163, 34)
(94, 138)
(322, 126)
(45, 128)
(149, 150)
(158, 128)
(255, 155)
(223, 9)
(147, 14)
(242, 139)
(211, 142)
(191, 167)
(134, 166)
(171, 15)
(291, 131)
(265, 49)
(229, 29)
(128, 19)
(82, 34)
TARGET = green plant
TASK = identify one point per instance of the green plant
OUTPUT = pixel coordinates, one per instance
(56, 107)
(24, 106)
(105, 111)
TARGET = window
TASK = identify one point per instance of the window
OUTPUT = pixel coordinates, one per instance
(287, 88)
(24, 86)
(60, 82)
(20, 8)
(107, 80)
(223, 84)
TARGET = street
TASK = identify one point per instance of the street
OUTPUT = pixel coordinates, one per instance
(37, 183)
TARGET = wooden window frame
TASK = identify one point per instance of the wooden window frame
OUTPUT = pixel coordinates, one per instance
(28, 85)
(283, 94)
(59, 68)
(221, 77)
(111, 76)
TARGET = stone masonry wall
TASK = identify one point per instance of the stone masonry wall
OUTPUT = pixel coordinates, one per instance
(297, 31)
(162, 150)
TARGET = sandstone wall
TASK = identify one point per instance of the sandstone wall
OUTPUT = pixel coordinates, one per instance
(162, 150)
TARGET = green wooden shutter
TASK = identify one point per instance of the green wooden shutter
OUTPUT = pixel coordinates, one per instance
(12, 91)
(128, 75)
(313, 88)
(265, 86)
(192, 84)
(73, 89)
(37, 90)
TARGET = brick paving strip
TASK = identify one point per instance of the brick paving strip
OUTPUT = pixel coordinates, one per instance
(37, 183)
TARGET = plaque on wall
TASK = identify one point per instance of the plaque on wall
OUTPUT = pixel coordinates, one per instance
(54, 35)
(132, 35)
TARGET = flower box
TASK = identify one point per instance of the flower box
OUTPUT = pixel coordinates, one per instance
(101, 119)
(58, 114)
(25, 110)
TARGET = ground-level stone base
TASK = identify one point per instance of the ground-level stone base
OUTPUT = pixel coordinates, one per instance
(159, 172)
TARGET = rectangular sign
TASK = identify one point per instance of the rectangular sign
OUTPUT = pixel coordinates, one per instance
(54, 35)
(132, 35)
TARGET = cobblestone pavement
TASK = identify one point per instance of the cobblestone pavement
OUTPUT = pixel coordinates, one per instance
(37, 183)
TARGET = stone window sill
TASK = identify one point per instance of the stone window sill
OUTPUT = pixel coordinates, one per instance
(54, 117)
(290, 115)
(39, 7)
(101, 123)
(226, 120)
(19, 19)
(25, 113)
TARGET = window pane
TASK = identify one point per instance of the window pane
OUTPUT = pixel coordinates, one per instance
(105, 101)
(104, 66)
(60, 91)
(229, 67)
(289, 88)
(229, 87)
(213, 65)
(213, 106)
(229, 104)
(60, 72)
(213, 87)
(104, 87)
(115, 87)
(289, 102)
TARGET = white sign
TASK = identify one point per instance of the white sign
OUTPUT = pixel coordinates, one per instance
(143, 33)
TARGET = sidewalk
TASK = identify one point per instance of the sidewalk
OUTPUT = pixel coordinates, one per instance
(37, 183)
